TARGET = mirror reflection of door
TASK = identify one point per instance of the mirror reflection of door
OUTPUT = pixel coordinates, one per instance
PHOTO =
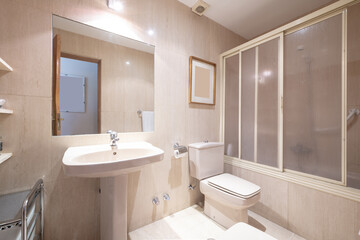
(79, 94)
(76, 100)
(56, 118)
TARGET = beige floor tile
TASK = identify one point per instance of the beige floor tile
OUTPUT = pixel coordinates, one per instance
(271, 228)
(192, 223)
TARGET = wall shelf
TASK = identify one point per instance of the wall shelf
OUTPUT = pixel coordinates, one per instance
(4, 157)
(4, 66)
(6, 111)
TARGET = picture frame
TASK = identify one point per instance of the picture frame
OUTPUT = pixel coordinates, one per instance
(202, 81)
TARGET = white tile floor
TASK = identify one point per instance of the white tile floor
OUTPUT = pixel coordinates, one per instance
(193, 224)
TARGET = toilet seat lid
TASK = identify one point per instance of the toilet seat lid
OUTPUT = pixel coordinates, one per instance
(234, 185)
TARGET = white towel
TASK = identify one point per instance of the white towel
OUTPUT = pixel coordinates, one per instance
(147, 121)
(229, 149)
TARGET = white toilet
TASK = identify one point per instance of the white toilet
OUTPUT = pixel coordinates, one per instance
(227, 197)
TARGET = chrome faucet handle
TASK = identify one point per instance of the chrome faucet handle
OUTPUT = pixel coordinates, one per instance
(112, 133)
(113, 138)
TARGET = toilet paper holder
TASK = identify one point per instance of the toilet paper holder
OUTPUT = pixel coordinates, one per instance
(177, 146)
(179, 150)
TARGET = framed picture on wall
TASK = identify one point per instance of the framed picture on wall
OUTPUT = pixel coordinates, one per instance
(202, 84)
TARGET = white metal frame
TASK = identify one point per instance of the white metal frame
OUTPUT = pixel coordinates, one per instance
(319, 183)
(256, 102)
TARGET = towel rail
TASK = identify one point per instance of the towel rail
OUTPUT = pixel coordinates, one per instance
(28, 225)
(139, 112)
(36, 191)
(352, 112)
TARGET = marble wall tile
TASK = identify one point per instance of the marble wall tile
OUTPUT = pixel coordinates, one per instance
(318, 215)
(339, 218)
(71, 209)
(26, 134)
(357, 220)
(13, 121)
(307, 212)
(173, 69)
(27, 49)
(273, 203)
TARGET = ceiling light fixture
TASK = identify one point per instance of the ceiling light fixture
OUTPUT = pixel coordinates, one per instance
(116, 5)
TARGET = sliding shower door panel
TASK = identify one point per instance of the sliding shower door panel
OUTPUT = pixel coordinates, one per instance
(231, 130)
(353, 96)
(267, 103)
(313, 99)
(248, 74)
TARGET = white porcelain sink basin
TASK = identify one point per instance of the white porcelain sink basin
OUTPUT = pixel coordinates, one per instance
(103, 161)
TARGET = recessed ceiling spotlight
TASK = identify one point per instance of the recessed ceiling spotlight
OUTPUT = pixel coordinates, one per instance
(116, 5)
(199, 7)
(127, 63)
(150, 32)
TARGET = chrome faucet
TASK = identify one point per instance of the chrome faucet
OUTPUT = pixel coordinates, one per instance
(113, 138)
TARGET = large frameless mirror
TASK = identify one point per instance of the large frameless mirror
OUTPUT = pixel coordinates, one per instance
(101, 81)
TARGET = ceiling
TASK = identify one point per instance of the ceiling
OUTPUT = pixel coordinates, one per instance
(251, 18)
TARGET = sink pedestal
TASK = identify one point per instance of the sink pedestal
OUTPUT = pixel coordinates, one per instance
(113, 207)
(112, 165)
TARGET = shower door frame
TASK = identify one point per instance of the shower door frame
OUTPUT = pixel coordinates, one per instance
(279, 98)
(320, 183)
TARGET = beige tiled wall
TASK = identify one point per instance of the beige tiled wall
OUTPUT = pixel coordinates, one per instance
(72, 204)
(312, 214)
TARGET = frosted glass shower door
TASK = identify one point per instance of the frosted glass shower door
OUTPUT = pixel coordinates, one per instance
(231, 133)
(260, 103)
(353, 96)
(313, 99)
(267, 103)
(248, 74)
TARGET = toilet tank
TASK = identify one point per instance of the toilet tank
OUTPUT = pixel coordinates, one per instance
(206, 159)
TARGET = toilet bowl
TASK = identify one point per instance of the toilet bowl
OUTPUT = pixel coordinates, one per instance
(227, 197)
(228, 207)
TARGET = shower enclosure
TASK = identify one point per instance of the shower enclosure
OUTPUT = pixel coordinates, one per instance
(291, 100)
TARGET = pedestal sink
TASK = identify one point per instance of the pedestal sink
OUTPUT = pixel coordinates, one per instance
(112, 166)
